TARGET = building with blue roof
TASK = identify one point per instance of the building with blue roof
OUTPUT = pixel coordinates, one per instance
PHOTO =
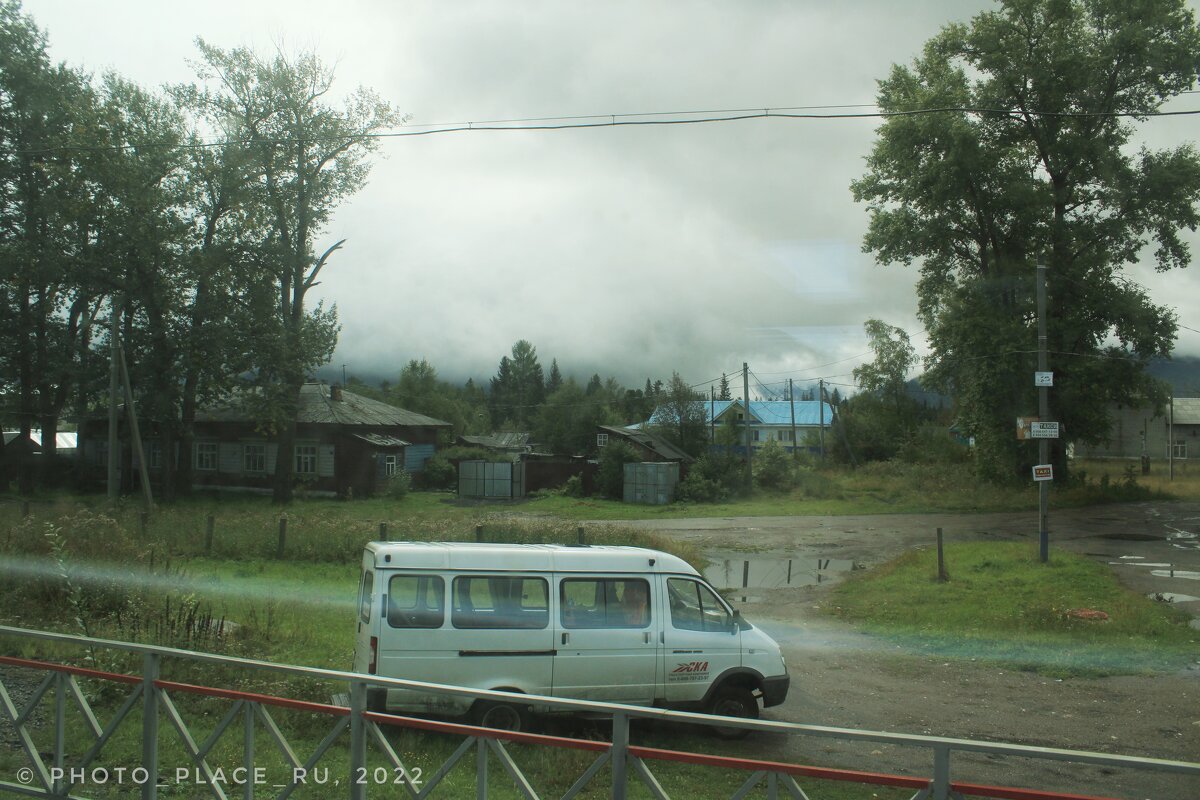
(770, 420)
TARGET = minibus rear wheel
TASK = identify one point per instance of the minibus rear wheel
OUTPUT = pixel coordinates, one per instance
(733, 701)
(502, 716)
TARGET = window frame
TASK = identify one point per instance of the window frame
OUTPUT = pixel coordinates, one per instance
(612, 614)
(304, 454)
(261, 447)
(418, 616)
(203, 451)
(468, 617)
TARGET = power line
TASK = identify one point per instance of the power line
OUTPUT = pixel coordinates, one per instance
(624, 120)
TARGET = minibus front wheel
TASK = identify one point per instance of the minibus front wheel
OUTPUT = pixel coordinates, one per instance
(733, 701)
(502, 716)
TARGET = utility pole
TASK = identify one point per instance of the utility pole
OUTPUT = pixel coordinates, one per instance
(792, 403)
(712, 415)
(1043, 415)
(113, 373)
(1171, 440)
(821, 406)
(746, 419)
(135, 434)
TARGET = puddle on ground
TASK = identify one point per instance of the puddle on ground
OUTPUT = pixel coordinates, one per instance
(1172, 597)
(1139, 564)
(774, 573)
(1132, 537)
(1179, 573)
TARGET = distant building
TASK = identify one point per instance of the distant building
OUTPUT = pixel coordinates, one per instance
(770, 420)
(1138, 430)
(648, 445)
(346, 444)
(502, 442)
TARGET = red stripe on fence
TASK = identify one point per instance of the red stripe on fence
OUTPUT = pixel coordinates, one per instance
(83, 672)
(487, 733)
(698, 759)
(728, 762)
(265, 699)
(1006, 793)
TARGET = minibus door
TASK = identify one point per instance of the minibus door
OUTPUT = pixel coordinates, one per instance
(700, 640)
(607, 639)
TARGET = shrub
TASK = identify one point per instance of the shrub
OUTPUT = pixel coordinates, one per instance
(696, 488)
(438, 473)
(773, 467)
(610, 477)
(399, 485)
(573, 487)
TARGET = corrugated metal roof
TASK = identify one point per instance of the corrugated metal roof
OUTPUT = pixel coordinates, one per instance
(316, 408)
(503, 440)
(1187, 410)
(766, 412)
(379, 440)
(650, 441)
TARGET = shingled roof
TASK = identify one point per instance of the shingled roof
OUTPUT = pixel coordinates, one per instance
(318, 408)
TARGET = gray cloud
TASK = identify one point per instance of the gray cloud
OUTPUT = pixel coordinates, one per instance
(630, 252)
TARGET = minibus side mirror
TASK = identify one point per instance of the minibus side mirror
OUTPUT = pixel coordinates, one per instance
(737, 621)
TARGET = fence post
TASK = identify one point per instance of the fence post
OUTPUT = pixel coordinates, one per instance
(60, 729)
(941, 773)
(620, 755)
(143, 523)
(941, 558)
(209, 523)
(358, 741)
(383, 532)
(248, 750)
(481, 768)
(282, 536)
(150, 668)
(579, 535)
(479, 533)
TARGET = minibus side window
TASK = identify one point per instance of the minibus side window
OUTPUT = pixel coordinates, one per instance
(605, 603)
(364, 600)
(416, 601)
(695, 608)
(500, 601)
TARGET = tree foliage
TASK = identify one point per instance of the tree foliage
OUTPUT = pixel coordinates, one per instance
(1012, 140)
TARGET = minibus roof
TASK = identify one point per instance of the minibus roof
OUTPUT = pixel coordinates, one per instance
(470, 556)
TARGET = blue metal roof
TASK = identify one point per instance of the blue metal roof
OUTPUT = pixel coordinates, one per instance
(765, 412)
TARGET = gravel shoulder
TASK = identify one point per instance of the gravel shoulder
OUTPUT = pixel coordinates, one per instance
(843, 678)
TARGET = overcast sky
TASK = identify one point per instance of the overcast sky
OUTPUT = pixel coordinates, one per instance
(628, 251)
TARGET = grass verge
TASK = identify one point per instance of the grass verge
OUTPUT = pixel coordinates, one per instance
(1000, 604)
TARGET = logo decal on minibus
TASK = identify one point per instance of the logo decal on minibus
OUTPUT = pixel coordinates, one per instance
(691, 671)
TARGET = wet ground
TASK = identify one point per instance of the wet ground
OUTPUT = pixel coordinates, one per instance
(783, 567)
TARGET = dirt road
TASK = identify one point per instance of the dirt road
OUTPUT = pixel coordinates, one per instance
(845, 679)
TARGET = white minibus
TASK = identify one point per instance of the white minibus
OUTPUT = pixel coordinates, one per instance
(612, 624)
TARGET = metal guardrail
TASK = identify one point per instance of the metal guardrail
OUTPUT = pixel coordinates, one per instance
(624, 760)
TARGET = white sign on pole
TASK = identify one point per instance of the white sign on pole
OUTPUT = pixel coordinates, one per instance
(1043, 379)
(1043, 430)
(1043, 472)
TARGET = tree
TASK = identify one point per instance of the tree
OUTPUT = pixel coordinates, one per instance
(555, 379)
(887, 374)
(723, 390)
(682, 416)
(307, 157)
(1010, 143)
(519, 386)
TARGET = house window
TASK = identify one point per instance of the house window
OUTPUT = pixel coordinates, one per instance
(254, 457)
(306, 459)
(757, 434)
(601, 439)
(1179, 450)
(391, 463)
(206, 456)
(154, 456)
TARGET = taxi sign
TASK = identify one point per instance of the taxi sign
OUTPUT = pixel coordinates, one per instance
(1043, 430)
(1043, 472)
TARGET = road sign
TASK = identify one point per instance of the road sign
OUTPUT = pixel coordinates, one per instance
(1043, 379)
(1043, 472)
(1043, 430)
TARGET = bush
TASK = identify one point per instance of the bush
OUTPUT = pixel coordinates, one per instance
(399, 485)
(773, 467)
(438, 473)
(573, 487)
(696, 488)
(610, 477)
